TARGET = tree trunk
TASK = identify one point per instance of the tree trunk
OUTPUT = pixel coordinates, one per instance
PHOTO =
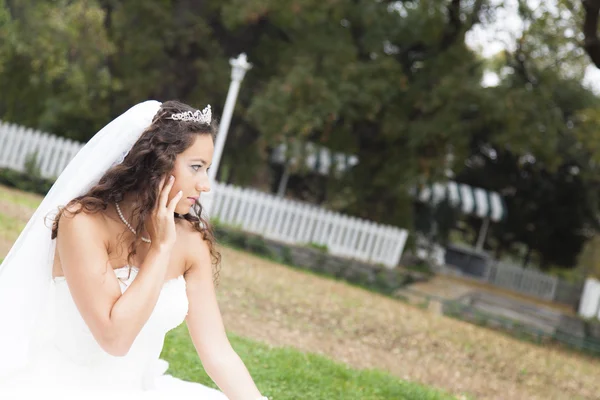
(591, 42)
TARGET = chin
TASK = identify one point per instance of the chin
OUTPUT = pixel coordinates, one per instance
(183, 209)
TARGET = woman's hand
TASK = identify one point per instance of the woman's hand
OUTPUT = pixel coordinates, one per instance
(161, 227)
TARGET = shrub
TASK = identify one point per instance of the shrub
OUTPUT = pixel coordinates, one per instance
(286, 255)
(31, 165)
(257, 245)
(378, 278)
(317, 246)
(231, 237)
(24, 181)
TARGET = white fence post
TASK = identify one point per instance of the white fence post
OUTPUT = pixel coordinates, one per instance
(522, 280)
(275, 218)
(298, 223)
(589, 306)
(17, 144)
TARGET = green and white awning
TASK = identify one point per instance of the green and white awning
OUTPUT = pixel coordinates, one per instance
(317, 158)
(470, 200)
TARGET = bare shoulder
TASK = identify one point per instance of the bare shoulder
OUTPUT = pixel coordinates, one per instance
(79, 231)
(196, 247)
(77, 221)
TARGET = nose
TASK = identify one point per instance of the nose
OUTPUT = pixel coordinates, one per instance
(203, 185)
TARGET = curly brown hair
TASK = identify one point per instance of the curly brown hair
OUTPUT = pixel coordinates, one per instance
(151, 158)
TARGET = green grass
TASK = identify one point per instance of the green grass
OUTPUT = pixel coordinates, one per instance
(284, 373)
(16, 198)
(10, 227)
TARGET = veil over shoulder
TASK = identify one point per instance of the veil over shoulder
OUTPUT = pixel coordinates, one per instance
(26, 272)
(46, 348)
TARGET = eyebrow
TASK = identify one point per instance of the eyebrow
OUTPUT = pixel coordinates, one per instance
(198, 159)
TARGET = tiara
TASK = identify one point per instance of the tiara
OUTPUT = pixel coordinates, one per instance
(203, 116)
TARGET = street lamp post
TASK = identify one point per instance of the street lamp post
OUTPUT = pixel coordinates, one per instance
(239, 66)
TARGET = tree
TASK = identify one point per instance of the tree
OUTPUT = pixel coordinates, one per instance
(549, 180)
(389, 81)
(551, 212)
(389, 84)
(51, 73)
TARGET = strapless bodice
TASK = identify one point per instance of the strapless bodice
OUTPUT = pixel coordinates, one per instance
(68, 363)
(73, 339)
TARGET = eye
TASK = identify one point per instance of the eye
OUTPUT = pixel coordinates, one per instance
(196, 167)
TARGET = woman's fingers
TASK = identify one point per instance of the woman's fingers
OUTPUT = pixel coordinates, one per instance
(164, 194)
(160, 186)
(174, 202)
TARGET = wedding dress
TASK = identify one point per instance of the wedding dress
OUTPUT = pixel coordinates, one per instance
(46, 349)
(75, 366)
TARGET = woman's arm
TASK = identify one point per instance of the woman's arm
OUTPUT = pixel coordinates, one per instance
(114, 319)
(205, 325)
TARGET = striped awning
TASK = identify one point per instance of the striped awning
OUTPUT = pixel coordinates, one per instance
(317, 158)
(470, 200)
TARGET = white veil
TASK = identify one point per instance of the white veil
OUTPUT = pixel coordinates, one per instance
(26, 273)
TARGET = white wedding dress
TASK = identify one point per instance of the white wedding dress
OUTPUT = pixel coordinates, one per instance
(75, 366)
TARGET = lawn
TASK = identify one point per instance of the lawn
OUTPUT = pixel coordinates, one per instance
(299, 332)
(285, 373)
(280, 372)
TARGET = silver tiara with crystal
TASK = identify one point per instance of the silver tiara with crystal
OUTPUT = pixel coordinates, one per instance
(203, 116)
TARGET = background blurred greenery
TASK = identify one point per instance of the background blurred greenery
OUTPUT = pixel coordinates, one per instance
(392, 82)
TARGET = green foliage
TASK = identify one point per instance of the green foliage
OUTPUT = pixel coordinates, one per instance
(25, 181)
(388, 281)
(540, 145)
(53, 61)
(286, 256)
(392, 83)
(257, 245)
(32, 167)
(589, 260)
(360, 87)
(322, 71)
(382, 280)
(549, 211)
(551, 195)
(420, 267)
(320, 247)
(230, 237)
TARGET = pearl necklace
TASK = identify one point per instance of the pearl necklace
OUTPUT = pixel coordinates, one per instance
(129, 225)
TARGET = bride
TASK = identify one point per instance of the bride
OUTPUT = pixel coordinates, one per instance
(86, 302)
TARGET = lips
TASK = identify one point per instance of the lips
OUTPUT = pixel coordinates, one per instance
(194, 199)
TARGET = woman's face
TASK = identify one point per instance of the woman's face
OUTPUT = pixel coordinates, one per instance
(191, 172)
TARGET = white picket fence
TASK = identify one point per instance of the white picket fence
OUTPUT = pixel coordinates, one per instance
(294, 222)
(53, 152)
(589, 306)
(253, 211)
(526, 281)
